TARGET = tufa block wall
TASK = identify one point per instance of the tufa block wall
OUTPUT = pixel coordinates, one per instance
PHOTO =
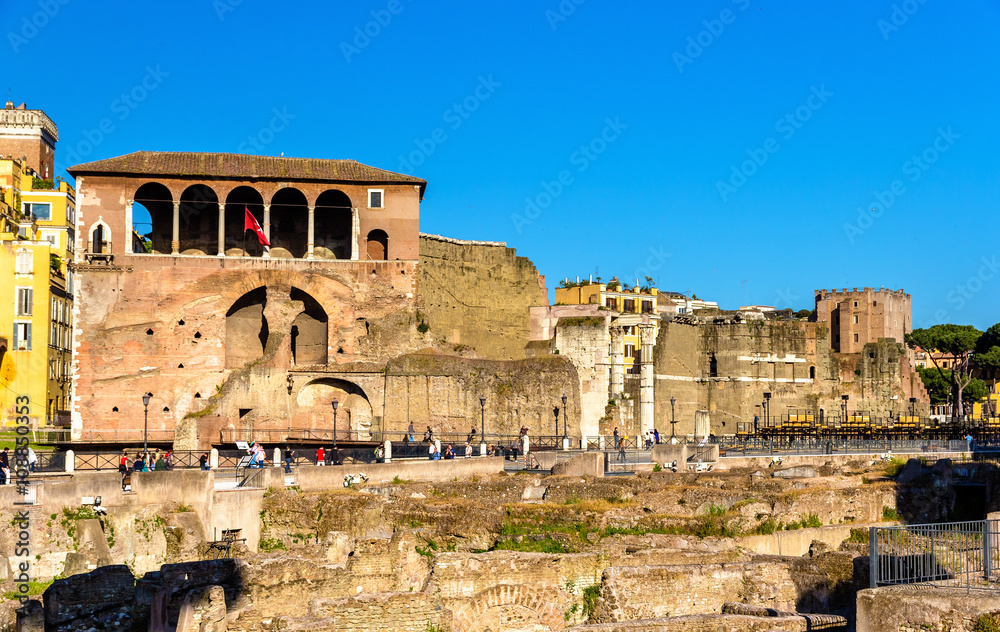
(477, 295)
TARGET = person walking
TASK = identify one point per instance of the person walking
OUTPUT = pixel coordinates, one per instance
(203, 462)
(123, 467)
(320, 456)
(169, 460)
(289, 456)
(616, 437)
(429, 435)
(468, 450)
(472, 435)
(32, 460)
(656, 436)
(621, 449)
(410, 432)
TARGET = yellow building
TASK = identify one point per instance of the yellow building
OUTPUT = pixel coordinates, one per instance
(36, 241)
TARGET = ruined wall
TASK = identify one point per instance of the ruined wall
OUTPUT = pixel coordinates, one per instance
(159, 324)
(584, 341)
(724, 366)
(477, 295)
(443, 392)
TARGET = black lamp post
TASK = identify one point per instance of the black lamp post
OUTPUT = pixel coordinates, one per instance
(673, 437)
(482, 419)
(843, 405)
(145, 422)
(556, 411)
(767, 409)
(335, 404)
(913, 403)
(564, 416)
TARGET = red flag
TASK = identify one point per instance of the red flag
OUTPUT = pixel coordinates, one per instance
(250, 223)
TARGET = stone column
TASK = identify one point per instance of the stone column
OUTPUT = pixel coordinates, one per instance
(525, 444)
(617, 362)
(175, 236)
(70, 461)
(311, 233)
(355, 235)
(387, 446)
(222, 229)
(128, 226)
(267, 230)
(213, 459)
(647, 340)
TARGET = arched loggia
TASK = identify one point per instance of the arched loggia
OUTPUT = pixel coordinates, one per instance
(152, 217)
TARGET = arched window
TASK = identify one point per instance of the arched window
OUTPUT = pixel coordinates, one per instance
(333, 228)
(238, 202)
(100, 238)
(812, 373)
(152, 217)
(378, 245)
(199, 221)
(289, 224)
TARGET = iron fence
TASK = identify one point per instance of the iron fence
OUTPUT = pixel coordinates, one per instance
(50, 461)
(953, 554)
(758, 446)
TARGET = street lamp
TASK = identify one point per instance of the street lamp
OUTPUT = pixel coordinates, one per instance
(145, 422)
(673, 437)
(556, 411)
(335, 404)
(482, 418)
(564, 416)
(843, 405)
(767, 409)
(913, 403)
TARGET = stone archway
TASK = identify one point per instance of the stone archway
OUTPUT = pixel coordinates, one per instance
(517, 607)
(314, 409)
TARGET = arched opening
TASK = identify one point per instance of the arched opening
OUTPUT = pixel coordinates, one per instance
(246, 329)
(309, 331)
(289, 224)
(100, 239)
(314, 409)
(378, 245)
(153, 217)
(812, 373)
(238, 200)
(333, 226)
(199, 221)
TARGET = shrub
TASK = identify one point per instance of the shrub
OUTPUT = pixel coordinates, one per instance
(590, 596)
(657, 467)
(890, 513)
(858, 536)
(893, 467)
(988, 622)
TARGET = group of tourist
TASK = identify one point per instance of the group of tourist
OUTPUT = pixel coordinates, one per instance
(448, 452)
(144, 462)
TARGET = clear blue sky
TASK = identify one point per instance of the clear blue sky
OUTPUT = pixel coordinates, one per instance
(867, 91)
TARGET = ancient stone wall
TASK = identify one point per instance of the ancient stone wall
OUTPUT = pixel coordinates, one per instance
(443, 392)
(725, 367)
(476, 295)
(584, 341)
(915, 608)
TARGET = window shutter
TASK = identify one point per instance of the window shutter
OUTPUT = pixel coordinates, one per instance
(17, 330)
(27, 327)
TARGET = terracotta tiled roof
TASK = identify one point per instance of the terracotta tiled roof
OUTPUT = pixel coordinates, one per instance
(239, 166)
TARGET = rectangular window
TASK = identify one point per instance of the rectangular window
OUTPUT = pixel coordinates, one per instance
(54, 335)
(24, 262)
(610, 302)
(629, 305)
(38, 210)
(375, 198)
(53, 239)
(22, 336)
(630, 350)
(855, 303)
(25, 296)
(855, 337)
(855, 319)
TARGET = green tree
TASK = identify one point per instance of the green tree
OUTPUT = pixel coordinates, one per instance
(938, 385)
(987, 355)
(958, 341)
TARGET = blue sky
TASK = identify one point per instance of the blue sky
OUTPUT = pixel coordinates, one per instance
(732, 149)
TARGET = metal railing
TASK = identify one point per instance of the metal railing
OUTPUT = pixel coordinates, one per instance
(952, 554)
(757, 446)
